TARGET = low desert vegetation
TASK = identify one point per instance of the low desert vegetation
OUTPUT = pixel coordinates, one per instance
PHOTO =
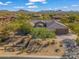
(39, 37)
(77, 41)
(42, 33)
(23, 27)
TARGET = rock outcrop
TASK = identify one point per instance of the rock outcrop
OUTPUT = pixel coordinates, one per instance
(27, 44)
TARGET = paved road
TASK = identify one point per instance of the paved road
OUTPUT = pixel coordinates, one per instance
(27, 58)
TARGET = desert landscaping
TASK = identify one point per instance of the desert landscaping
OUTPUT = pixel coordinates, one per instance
(22, 34)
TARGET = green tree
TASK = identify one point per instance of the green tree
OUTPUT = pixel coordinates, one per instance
(72, 19)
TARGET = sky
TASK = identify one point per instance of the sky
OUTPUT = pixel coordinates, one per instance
(37, 5)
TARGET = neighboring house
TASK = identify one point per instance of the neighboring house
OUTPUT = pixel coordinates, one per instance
(7, 18)
(2, 18)
(58, 27)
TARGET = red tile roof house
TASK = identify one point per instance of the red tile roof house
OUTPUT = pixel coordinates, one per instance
(59, 28)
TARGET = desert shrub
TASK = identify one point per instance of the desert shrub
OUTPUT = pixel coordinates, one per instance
(77, 41)
(19, 26)
(15, 27)
(6, 29)
(61, 45)
(4, 35)
(57, 50)
(74, 27)
(24, 28)
(53, 42)
(11, 26)
(42, 33)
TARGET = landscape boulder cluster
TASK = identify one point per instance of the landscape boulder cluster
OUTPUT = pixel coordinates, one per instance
(26, 44)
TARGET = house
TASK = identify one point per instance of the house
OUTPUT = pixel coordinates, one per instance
(2, 18)
(7, 18)
(58, 27)
(56, 17)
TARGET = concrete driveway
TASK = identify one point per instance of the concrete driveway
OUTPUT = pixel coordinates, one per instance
(67, 36)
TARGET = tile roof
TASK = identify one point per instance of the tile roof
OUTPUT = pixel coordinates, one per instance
(51, 24)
